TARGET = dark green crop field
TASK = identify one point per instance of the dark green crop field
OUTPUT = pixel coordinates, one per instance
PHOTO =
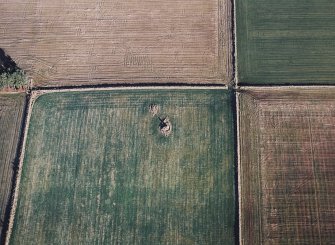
(288, 41)
(11, 108)
(97, 169)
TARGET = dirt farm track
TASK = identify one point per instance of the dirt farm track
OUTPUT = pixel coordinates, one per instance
(88, 42)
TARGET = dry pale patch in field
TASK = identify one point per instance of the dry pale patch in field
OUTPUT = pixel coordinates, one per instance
(94, 42)
(287, 166)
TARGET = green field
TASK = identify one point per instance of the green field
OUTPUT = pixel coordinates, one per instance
(288, 41)
(11, 108)
(97, 170)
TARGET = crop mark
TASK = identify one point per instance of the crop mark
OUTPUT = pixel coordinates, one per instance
(132, 60)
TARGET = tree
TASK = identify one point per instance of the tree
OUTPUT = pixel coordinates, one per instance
(15, 79)
(11, 76)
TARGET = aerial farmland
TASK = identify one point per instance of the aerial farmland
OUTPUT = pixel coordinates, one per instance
(167, 122)
(98, 169)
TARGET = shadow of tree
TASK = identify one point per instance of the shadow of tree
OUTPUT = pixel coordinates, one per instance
(7, 64)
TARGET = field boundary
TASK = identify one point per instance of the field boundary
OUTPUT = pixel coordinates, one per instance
(21, 148)
(282, 87)
(43, 91)
(234, 31)
(128, 85)
(236, 167)
(238, 163)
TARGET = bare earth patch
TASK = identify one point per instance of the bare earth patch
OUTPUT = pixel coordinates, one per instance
(287, 165)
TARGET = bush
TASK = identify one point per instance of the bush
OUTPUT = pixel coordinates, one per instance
(14, 79)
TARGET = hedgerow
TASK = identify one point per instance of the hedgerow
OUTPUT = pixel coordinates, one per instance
(15, 79)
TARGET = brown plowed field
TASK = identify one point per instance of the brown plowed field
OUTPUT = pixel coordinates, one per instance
(11, 108)
(287, 166)
(98, 42)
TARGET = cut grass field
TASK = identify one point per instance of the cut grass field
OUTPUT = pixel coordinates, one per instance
(11, 110)
(287, 165)
(288, 41)
(97, 169)
(62, 43)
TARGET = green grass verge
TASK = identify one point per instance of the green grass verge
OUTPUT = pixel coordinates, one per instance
(288, 41)
(98, 171)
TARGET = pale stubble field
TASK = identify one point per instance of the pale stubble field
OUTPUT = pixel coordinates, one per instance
(61, 43)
